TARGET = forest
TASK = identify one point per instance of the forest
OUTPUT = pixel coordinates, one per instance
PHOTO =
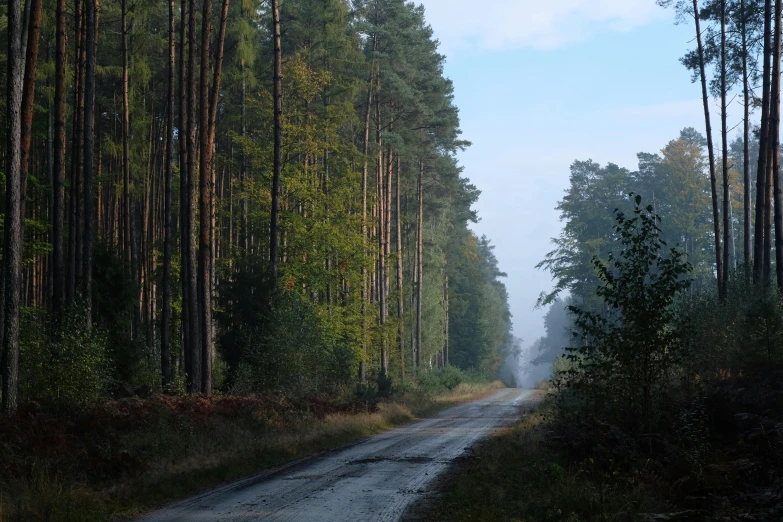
(226, 225)
(235, 197)
(665, 329)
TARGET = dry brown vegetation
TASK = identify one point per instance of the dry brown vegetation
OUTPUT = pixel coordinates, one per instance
(116, 458)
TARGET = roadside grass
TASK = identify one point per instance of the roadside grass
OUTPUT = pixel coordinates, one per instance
(519, 476)
(119, 458)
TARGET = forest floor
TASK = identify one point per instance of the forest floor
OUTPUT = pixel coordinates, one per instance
(115, 459)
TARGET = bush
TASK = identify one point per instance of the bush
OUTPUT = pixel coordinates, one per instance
(69, 365)
(628, 348)
(290, 349)
(445, 379)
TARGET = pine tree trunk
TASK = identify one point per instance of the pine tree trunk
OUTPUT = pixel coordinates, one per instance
(746, 146)
(775, 134)
(382, 203)
(79, 175)
(89, 153)
(182, 140)
(165, 328)
(28, 93)
(13, 242)
(761, 179)
(446, 328)
(76, 152)
(400, 278)
(205, 204)
(195, 370)
(420, 261)
(57, 217)
(30, 52)
(768, 212)
(724, 137)
(206, 185)
(710, 150)
(274, 223)
(363, 362)
(242, 166)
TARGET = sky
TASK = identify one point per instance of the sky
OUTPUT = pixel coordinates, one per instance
(542, 84)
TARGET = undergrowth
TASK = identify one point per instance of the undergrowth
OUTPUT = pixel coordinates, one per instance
(113, 459)
(521, 475)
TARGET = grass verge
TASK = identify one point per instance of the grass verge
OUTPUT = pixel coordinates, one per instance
(118, 458)
(518, 475)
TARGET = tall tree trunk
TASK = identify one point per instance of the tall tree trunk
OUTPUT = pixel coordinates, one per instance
(365, 169)
(30, 52)
(165, 328)
(746, 145)
(446, 326)
(33, 18)
(206, 185)
(184, 194)
(76, 153)
(724, 137)
(761, 179)
(775, 135)
(242, 164)
(382, 241)
(205, 204)
(195, 373)
(78, 181)
(13, 243)
(420, 261)
(128, 206)
(278, 137)
(89, 153)
(58, 204)
(400, 276)
(768, 212)
(710, 150)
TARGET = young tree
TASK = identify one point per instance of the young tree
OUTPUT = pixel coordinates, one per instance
(628, 348)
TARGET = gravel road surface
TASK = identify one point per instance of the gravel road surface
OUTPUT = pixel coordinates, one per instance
(373, 480)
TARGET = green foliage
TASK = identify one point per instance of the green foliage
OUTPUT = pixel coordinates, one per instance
(674, 182)
(310, 337)
(114, 296)
(446, 379)
(479, 316)
(629, 348)
(743, 332)
(291, 350)
(69, 365)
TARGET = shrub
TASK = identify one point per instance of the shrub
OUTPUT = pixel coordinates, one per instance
(629, 347)
(290, 349)
(69, 365)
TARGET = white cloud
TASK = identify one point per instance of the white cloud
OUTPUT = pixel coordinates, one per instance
(501, 24)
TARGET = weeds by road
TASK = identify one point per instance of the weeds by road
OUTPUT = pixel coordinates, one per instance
(117, 458)
(519, 475)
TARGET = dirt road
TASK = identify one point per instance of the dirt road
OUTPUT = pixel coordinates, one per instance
(374, 480)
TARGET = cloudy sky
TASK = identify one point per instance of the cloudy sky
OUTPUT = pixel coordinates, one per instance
(541, 84)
